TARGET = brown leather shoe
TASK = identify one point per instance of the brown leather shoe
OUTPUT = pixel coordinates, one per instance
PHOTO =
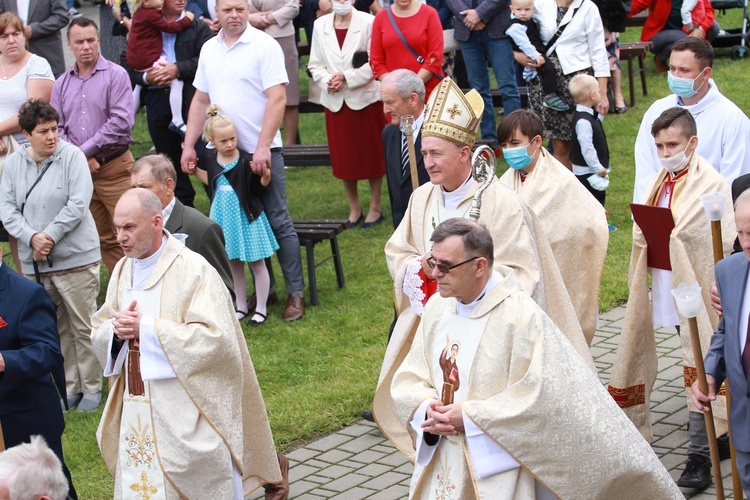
(295, 307)
(661, 66)
(253, 300)
(279, 491)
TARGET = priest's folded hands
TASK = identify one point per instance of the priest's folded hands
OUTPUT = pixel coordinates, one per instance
(444, 420)
(127, 322)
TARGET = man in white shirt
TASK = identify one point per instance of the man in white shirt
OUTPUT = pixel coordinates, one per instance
(240, 71)
(723, 129)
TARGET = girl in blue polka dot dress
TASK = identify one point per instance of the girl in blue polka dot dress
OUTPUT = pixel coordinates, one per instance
(235, 205)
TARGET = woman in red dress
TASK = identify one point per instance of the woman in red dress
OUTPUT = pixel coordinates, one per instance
(351, 97)
(420, 26)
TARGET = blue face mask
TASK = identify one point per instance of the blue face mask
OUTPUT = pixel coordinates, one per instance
(518, 158)
(683, 87)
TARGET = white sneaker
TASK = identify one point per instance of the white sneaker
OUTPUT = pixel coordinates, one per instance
(73, 13)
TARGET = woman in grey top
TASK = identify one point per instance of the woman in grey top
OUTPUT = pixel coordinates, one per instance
(44, 203)
(24, 76)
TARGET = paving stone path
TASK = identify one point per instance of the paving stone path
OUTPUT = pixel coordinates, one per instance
(358, 462)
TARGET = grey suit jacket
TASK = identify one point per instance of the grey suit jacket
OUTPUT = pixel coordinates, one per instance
(724, 359)
(205, 237)
(46, 18)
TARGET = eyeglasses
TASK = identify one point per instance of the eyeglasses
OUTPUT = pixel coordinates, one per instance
(443, 268)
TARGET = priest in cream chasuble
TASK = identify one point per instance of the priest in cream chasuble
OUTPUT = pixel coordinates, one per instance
(685, 176)
(448, 132)
(185, 417)
(529, 418)
(574, 221)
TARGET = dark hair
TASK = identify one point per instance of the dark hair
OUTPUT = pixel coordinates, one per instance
(83, 22)
(476, 238)
(701, 48)
(675, 117)
(36, 111)
(524, 120)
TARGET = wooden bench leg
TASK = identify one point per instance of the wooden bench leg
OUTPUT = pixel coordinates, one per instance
(631, 83)
(312, 284)
(643, 74)
(337, 262)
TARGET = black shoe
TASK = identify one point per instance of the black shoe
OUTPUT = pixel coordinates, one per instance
(367, 415)
(697, 473)
(723, 442)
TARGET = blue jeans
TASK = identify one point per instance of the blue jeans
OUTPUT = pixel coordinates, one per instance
(476, 51)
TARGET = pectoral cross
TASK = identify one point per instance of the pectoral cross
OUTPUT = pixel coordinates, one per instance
(454, 111)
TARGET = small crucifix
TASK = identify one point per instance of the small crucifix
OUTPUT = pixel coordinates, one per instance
(454, 111)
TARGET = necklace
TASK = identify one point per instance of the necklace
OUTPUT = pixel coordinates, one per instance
(12, 69)
(435, 222)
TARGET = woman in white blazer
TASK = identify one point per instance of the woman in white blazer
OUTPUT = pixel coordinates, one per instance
(339, 56)
(579, 49)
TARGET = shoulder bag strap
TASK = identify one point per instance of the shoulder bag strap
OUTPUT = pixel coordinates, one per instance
(559, 31)
(39, 178)
(420, 59)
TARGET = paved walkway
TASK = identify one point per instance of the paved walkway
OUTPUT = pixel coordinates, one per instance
(358, 462)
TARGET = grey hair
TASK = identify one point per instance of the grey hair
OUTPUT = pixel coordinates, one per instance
(476, 238)
(407, 83)
(159, 165)
(743, 197)
(31, 470)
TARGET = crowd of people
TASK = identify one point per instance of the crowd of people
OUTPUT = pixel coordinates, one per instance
(493, 317)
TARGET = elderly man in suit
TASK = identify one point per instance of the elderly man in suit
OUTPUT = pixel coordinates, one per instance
(42, 22)
(204, 236)
(728, 356)
(31, 365)
(402, 93)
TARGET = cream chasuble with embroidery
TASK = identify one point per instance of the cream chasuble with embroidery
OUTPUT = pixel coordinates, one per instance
(575, 225)
(527, 392)
(206, 415)
(691, 257)
(520, 245)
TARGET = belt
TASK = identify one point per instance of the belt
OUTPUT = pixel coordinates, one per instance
(108, 158)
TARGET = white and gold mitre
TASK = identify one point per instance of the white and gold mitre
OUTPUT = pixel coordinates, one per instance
(452, 115)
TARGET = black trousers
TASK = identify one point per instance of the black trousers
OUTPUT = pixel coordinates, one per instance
(159, 116)
(601, 196)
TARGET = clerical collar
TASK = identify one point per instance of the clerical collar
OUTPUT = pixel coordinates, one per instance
(142, 268)
(167, 211)
(465, 310)
(452, 200)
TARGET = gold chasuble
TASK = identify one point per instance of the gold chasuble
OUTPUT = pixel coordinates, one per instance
(543, 420)
(520, 244)
(190, 430)
(691, 257)
(575, 225)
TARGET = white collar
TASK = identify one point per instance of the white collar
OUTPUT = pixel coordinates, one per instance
(465, 310)
(167, 211)
(452, 200)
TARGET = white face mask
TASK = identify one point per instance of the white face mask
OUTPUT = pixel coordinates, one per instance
(676, 163)
(341, 8)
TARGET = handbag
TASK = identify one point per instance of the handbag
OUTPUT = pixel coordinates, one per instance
(450, 44)
(360, 58)
(419, 58)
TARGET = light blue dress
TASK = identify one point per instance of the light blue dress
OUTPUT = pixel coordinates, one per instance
(244, 240)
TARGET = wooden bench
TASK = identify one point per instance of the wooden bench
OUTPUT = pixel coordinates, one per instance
(312, 232)
(638, 51)
(637, 20)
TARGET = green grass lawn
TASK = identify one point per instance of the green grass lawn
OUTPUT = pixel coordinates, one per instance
(319, 374)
